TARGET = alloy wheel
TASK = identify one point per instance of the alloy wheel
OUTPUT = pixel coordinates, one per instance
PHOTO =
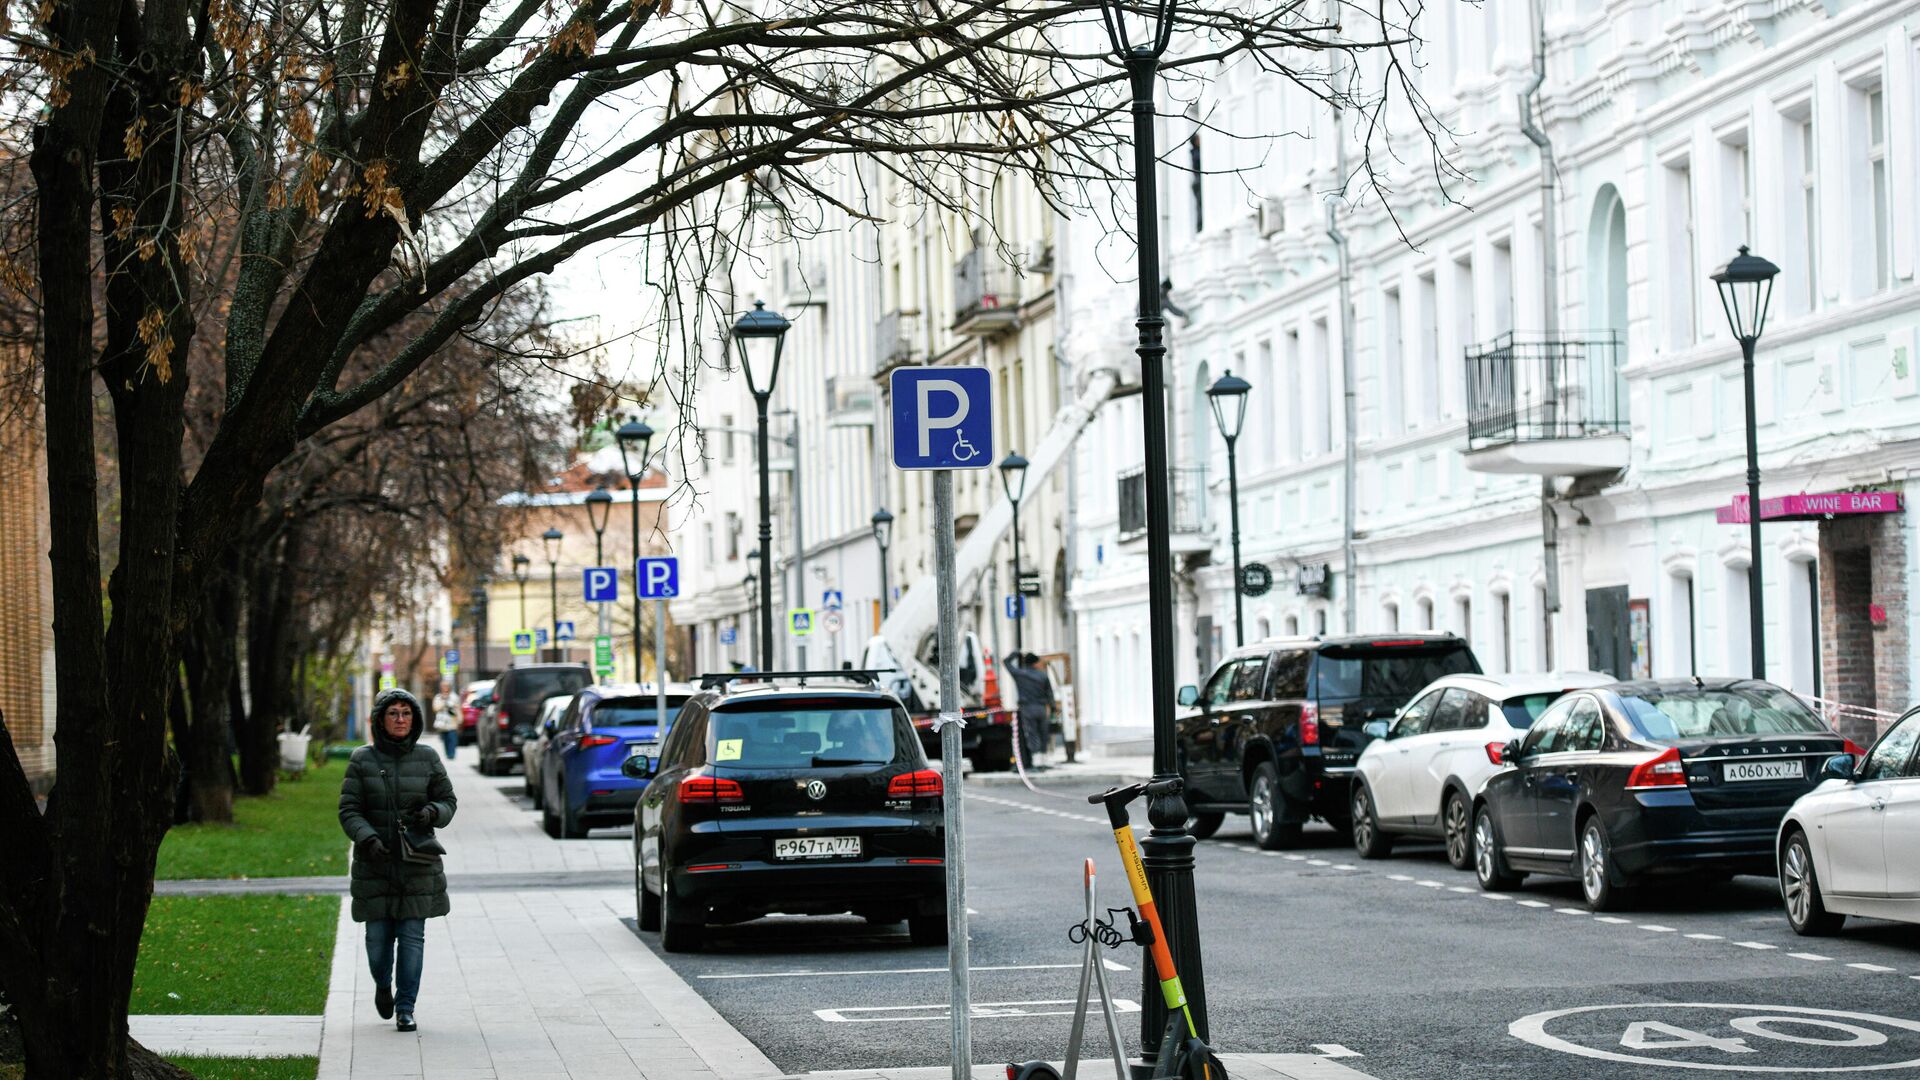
(1457, 831)
(1362, 819)
(1262, 806)
(1483, 848)
(1794, 882)
(1593, 862)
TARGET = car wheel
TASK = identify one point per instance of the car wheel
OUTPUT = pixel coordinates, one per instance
(927, 929)
(680, 931)
(1457, 822)
(1800, 888)
(1264, 804)
(1201, 825)
(570, 826)
(1368, 840)
(646, 905)
(1489, 865)
(539, 793)
(1596, 868)
(550, 821)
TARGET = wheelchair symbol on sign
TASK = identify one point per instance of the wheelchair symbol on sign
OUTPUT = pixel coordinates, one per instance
(962, 449)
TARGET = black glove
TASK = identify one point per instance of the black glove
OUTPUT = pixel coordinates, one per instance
(370, 848)
(421, 817)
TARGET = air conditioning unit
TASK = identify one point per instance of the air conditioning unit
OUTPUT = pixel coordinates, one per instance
(1272, 216)
(1040, 257)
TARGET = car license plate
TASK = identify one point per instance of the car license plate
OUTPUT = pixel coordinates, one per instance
(817, 847)
(1762, 770)
(637, 748)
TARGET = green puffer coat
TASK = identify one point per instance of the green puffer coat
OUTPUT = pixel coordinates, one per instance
(385, 780)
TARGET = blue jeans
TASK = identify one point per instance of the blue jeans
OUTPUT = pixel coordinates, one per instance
(412, 937)
(451, 739)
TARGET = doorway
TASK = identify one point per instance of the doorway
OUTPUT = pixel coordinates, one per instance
(1609, 640)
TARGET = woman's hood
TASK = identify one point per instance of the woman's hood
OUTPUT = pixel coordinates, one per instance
(380, 703)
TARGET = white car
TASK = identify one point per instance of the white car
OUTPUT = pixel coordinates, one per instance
(1847, 847)
(1418, 776)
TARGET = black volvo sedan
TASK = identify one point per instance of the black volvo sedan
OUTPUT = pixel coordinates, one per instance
(1637, 780)
(798, 793)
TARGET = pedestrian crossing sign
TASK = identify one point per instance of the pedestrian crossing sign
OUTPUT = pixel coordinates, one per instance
(800, 621)
(522, 643)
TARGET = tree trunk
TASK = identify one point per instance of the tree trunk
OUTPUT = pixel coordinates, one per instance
(211, 663)
(269, 662)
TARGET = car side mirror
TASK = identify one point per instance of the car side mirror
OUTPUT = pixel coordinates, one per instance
(1510, 753)
(1189, 696)
(1375, 728)
(637, 767)
(1838, 767)
(549, 727)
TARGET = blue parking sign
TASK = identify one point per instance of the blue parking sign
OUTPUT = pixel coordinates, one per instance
(540, 636)
(600, 584)
(1016, 606)
(728, 635)
(942, 418)
(659, 579)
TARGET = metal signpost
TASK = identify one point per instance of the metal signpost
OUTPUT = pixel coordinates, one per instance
(600, 585)
(659, 580)
(943, 420)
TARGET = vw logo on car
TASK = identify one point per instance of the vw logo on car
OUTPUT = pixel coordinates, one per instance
(816, 790)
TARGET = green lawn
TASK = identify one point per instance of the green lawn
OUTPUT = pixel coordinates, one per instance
(227, 955)
(294, 832)
(287, 1068)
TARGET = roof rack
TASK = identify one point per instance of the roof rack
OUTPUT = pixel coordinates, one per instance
(718, 680)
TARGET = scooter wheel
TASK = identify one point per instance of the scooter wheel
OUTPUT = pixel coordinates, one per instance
(1033, 1070)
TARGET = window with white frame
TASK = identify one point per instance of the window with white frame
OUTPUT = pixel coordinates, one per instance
(1428, 338)
(1882, 208)
(1803, 207)
(1424, 608)
(1505, 628)
(1463, 618)
(1290, 356)
(1683, 255)
(1266, 392)
(1502, 273)
(726, 439)
(1391, 611)
(1736, 191)
(1393, 380)
(1465, 328)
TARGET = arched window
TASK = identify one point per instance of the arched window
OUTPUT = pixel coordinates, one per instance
(1607, 304)
(1202, 436)
(1293, 625)
(1423, 609)
(1391, 612)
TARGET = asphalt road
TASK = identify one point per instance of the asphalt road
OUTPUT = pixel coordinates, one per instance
(1404, 964)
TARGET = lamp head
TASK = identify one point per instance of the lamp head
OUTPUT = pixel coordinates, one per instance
(759, 336)
(599, 505)
(520, 568)
(883, 528)
(1746, 288)
(635, 439)
(1137, 29)
(1228, 395)
(552, 538)
(1013, 476)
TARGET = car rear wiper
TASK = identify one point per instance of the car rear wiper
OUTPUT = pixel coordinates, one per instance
(824, 761)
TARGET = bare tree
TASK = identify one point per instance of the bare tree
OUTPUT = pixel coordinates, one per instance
(404, 167)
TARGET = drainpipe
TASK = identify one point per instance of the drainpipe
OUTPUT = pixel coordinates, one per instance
(1550, 295)
(1348, 377)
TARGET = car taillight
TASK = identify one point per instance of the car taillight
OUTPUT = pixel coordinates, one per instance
(1497, 753)
(503, 719)
(1662, 771)
(588, 742)
(1851, 747)
(924, 784)
(708, 790)
(1309, 725)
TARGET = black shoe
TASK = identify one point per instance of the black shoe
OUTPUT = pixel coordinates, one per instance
(383, 1002)
(405, 1023)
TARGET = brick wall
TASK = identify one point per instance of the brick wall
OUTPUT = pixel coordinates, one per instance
(1863, 562)
(26, 648)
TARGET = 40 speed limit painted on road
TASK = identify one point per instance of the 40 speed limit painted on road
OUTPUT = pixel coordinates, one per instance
(1728, 1038)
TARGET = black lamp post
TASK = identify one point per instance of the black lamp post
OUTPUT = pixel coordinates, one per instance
(1139, 33)
(520, 563)
(751, 583)
(1228, 396)
(635, 439)
(552, 538)
(479, 598)
(1746, 288)
(1013, 481)
(760, 335)
(599, 508)
(883, 538)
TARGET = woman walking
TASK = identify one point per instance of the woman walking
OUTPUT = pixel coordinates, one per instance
(394, 795)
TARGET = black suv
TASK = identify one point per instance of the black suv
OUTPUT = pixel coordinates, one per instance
(511, 717)
(1282, 722)
(803, 795)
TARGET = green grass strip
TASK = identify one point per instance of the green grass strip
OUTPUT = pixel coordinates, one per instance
(294, 832)
(236, 955)
(281, 1068)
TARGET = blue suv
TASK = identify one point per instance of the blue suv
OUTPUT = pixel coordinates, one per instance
(582, 786)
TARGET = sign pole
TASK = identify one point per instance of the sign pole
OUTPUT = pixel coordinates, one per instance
(660, 663)
(951, 722)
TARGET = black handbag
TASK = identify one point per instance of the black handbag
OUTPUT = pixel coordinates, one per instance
(420, 846)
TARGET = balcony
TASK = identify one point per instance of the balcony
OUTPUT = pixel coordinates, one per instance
(1547, 406)
(1186, 506)
(896, 341)
(803, 281)
(986, 296)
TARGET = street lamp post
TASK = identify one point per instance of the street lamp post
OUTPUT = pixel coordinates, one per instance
(1746, 288)
(883, 538)
(1139, 33)
(552, 538)
(635, 439)
(479, 598)
(1228, 395)
(760, 335)
(520, 564)
(1013, 481)
(599, 509)
(751, 583)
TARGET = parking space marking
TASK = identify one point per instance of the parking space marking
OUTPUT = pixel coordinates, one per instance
(1318, 862)
(1344, 866)
(1656, 928)
(1706, 937)
(1573, 911)
(1431, 884)
(1870, 967)
(1398, 877)
(1496, 896)
(1808, 956)
(1755, 945)
(1460, 888)
(980, 1010)
(1612, 920)
(1533, 903)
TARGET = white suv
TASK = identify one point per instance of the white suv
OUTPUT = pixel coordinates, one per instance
(1419, 775)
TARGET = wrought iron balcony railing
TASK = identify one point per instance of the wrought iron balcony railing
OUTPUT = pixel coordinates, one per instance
(1186, 502)
(1532, 388)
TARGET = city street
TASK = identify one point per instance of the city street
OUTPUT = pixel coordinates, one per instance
(1400, 969)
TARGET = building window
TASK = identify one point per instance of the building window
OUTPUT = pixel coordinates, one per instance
(1291, 357)
(1806, 209)
(1423, 607)
(1393, 380)
(1463, 618)
(1506, 631)
(1684, 629)
(1320, 621)
(726, 439)
(1684, 255)
(1266, 391)
(1736, 629)
(1199, 183)
(1882, 209)
(1320, 387)
(1293, 626)
(733, 536)
(1392, 612)
(1803, 626)
(1428, 337)
(1502, 283)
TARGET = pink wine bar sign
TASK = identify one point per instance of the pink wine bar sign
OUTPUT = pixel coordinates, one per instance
(1811, 507)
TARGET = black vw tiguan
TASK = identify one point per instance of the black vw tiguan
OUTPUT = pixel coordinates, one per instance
(806, 796)
(1621, 784)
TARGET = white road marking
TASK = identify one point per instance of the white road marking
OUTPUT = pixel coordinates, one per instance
(1808, 956)
(1656, 928)
(1755, 945)
(981, 1010)
(1870, 967)
(1460, 888)
(1111, 966)
(1611, 920)
(1532, 903)
(1573, 911)
(1398, 877)
(1496, 896)
(1706, 937)
(1296, 858)
(1271, 854)
(1431, 884)
(1335, 1050)
(1345, 866)
(1318, 862)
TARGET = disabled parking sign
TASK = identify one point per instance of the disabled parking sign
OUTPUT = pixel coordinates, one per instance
(942, 417)
(659, 578)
